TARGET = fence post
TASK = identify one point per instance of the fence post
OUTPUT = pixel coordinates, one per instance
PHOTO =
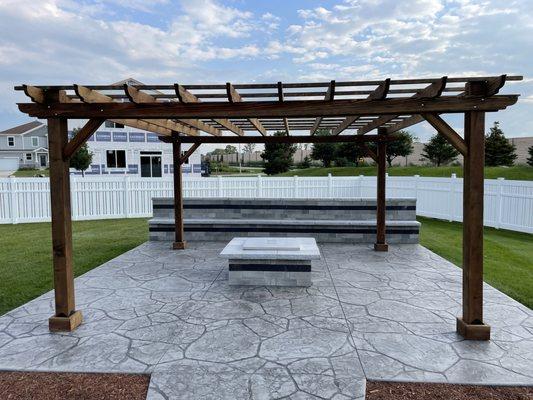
(416, 188)
(452, 197)
(361, 177)
(500, 203)
(220, 186)
(259, 187)
(14, 200)
(126, 196)
(73, 197)
(330, 186)
(295, 187)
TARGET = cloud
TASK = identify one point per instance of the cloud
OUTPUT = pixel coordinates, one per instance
(95, 41)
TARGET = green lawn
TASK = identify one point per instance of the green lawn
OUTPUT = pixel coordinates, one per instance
(30, 173)
(26, 266)
(508, 256)
(26, 254)
(517, 172)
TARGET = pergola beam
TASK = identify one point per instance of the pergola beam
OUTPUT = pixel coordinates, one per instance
(235, 97)
(294, 109)
(187, 97)
(283, 139)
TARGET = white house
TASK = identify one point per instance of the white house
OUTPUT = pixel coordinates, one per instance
(121, 150)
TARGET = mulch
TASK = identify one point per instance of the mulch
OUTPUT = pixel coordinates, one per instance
(444, 391)
(66, 385)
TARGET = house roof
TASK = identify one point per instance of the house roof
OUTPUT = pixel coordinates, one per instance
(21, 129)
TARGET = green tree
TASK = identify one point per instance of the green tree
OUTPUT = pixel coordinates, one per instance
(82, 159)
(324, 152)
(530, 159)
(348, 152)
(278, 156)
(230, 149)
(498, 150)
(439, 151)
(249, 148)
(401, 147)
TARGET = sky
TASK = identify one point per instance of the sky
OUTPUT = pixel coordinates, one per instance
(218, 41)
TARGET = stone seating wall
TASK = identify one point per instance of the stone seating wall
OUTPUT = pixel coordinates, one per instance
(327, 220)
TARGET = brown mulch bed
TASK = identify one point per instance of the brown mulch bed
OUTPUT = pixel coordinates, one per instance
(66, 385)
(444, 391)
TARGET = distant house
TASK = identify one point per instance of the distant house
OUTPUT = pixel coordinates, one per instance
(24, 146)
(121, 150)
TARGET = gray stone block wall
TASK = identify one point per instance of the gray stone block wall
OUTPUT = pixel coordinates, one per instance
(223, 219)
(296, 209)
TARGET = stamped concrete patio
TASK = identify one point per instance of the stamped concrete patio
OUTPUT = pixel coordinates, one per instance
(368, 315)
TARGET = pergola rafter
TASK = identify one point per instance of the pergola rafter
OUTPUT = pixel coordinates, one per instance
(235, 97)
(185, 96)
(139, 97)
(389, 105)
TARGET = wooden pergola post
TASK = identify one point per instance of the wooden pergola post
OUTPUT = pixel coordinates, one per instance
(66, 317)
(471, 325)
(179, 242)
(381, 244)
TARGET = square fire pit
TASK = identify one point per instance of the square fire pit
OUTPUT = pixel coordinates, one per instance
(265, 261)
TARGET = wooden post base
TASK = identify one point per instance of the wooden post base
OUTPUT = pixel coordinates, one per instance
(381, 247)
(65, 324)
(179, 245)
(473, 331)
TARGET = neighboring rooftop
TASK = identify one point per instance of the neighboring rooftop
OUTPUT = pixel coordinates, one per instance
(21, 129)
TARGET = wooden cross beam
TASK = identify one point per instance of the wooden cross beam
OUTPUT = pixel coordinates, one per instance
(447, 131)
(283, 139)
(189, 152)
(290, 109)
(81, 137)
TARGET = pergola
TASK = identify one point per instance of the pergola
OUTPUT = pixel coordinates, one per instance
(245, 113)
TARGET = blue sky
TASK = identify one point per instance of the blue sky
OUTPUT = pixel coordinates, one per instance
(190, 41)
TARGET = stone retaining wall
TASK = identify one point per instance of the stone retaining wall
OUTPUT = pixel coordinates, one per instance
(327, 220)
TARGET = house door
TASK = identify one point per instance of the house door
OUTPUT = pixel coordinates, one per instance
(42, 160)
(151, 166)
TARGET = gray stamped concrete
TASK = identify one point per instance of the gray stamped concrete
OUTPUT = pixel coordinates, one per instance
(367, 315)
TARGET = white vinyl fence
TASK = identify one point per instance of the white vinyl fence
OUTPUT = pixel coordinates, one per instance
(508, 204)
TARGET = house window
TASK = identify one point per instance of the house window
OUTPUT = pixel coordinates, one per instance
(35, 141)
(11, 141)
(111, 124)
(28, 157)
(116, 159)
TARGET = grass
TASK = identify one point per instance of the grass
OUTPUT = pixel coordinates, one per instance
(517, 172)
(26, 254)
(507, 255)
(26, 261)
(30, 173)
